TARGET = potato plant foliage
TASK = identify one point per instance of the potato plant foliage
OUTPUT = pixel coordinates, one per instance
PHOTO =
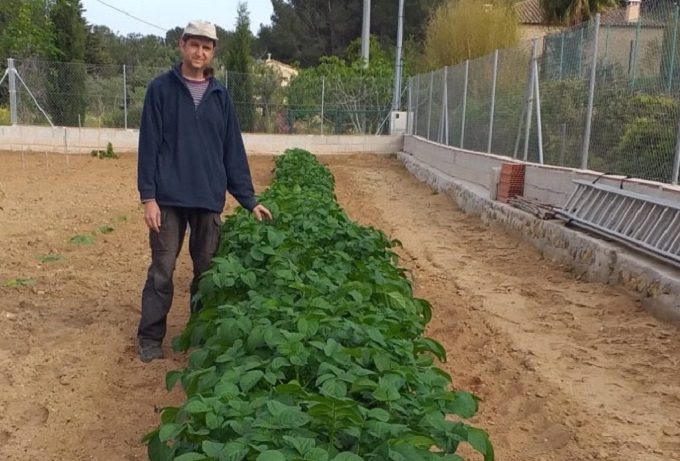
(310, 345)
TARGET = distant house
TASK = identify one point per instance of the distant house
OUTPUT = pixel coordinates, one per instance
(287, 72)
(631, 36)
(532, 20)
(648, 14)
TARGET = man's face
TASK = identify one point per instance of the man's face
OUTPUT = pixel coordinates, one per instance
(197, 52)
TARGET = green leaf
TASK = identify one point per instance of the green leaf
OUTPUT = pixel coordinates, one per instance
(171, 378)
(451, 457)
(379, 414)
(464, 405)
(159, 451)
(386, 393)
(382, 362)
(334, 388)
(227, 391)
(193, 456)
(249, 279)
(270, 378)
(303, 326)
(301, 444)
(195, 406)
(234, 451)
(278, 363)
(271, 455)
(480, 442)
(169, 431)
(356, 296)
(169, 414)
(316, 454)
(347, 456)
(422, 442)
(292, 418)
(212, 448)
(250, 380)
(276, 408)
(331, 347)
(275, 237)
(256, 254)
(430, 345)
(212, 421)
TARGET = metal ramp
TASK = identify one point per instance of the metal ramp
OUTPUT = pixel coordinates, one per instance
(642, 222)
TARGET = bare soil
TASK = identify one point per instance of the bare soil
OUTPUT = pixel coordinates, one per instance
(567, 370)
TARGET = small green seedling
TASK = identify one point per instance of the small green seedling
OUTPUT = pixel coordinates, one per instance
(105, 229)
(82, 240)
(13, 283)
(50, 258)
(108, 153)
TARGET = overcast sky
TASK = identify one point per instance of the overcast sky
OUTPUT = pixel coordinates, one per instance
(167, 14)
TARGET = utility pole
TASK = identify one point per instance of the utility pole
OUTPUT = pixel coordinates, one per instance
(366, 32)
(396, 100)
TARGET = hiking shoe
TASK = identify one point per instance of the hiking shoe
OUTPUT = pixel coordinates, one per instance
(149, 350)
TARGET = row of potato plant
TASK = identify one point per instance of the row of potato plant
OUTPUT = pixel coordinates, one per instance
(310, 344)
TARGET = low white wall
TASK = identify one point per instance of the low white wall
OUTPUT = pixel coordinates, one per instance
(84, 140)
(547, 184)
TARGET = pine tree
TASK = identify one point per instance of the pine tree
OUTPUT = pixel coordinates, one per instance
(67, 93)
(239, 67)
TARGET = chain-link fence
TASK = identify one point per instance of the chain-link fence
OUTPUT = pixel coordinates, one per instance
(604, 95)
(39, 92)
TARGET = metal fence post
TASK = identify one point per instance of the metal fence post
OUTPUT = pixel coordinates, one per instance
(409, 117)
(539, 126)
(12, 75)
(530, 99)
(493, 99)
(562, 56)
(446, 108)
(580, 53)
(429, 110)
(125, 107)
(591, 97)
(676, 160)
(635, 53)
(465, 91)
(442, 122)
(323, 99)
(416, 107)
(673, 47)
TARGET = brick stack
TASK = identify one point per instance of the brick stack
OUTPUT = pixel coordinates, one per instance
(511, 182)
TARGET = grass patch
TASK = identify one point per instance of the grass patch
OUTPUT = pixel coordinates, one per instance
(105, 229)
(82, 240)
(13, 283)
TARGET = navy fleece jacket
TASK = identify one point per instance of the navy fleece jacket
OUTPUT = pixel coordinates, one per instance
(191, 156)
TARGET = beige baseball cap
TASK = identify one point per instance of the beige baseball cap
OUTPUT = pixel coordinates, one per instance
(200, 28)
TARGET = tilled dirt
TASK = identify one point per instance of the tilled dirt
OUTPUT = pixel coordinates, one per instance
(567, 370)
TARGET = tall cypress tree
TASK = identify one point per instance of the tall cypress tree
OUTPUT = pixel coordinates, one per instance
(239, 70)
(66, 99)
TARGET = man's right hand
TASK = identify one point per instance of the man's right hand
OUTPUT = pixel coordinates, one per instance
(152, 215)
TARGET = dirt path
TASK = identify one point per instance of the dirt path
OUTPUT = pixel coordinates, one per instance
(567, 370)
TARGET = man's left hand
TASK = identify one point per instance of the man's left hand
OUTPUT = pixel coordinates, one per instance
(261, 212)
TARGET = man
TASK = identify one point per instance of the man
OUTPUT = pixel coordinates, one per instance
(191, 154)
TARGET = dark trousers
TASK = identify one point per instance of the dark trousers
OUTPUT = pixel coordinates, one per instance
(204, 227)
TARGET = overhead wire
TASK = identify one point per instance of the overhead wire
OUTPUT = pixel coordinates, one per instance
(132, 16)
